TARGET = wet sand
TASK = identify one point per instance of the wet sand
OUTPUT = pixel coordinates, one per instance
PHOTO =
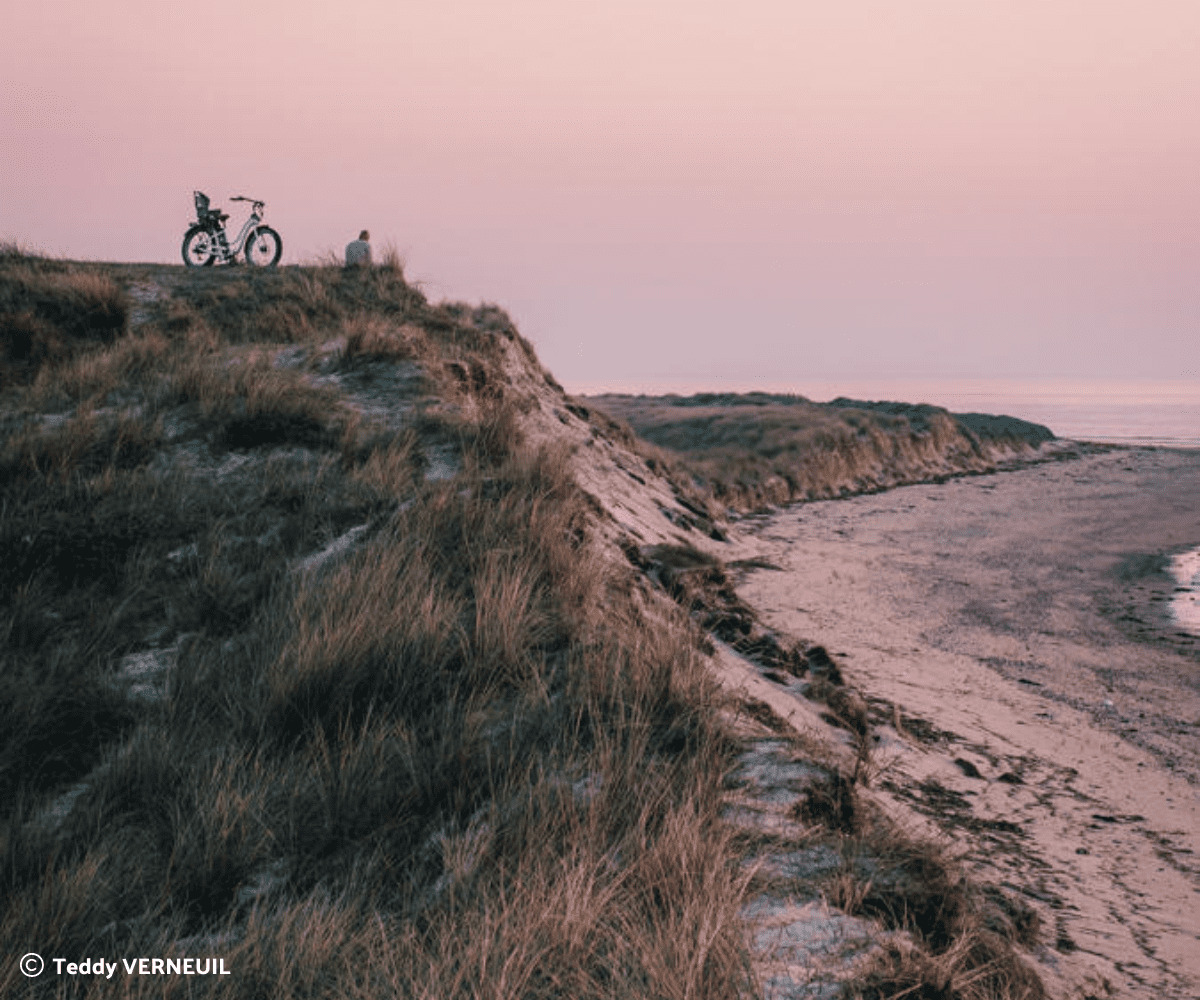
(1048, 704)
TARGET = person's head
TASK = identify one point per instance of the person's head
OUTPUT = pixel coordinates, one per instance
(364, 236)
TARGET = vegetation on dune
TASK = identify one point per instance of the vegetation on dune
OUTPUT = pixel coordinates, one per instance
(312, 660)
(49, 310)
(753, 450)
(453, 761)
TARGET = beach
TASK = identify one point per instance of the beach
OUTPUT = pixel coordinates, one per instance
(1037, 702)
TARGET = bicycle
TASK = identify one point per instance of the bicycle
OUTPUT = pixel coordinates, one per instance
(206, 242)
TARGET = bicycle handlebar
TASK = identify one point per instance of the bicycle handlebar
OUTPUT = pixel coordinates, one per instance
(257, 204)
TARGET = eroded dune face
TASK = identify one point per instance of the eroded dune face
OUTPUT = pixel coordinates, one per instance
(1027, 615)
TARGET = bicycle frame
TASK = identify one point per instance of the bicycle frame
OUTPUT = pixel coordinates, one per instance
(227, 249)
(235, 247)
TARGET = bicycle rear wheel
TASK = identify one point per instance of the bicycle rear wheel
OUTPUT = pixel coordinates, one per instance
(263, 247)
(199, 247)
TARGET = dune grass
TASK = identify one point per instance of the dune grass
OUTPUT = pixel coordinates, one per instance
(446, 758)
(49, 310)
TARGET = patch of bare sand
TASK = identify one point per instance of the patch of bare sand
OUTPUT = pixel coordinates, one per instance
(1016, 627)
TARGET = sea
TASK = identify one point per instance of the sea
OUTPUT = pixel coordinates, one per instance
(1164, 413)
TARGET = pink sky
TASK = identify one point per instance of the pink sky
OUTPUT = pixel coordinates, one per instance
(693, 192)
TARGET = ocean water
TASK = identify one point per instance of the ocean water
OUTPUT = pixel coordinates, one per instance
(1131, 412)
(1185, 604)
(1163, 413)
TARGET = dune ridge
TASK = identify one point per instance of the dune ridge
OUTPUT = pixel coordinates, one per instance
(752, 450)
(343, 644)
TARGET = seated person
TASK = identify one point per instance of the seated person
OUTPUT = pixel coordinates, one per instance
(358, 253)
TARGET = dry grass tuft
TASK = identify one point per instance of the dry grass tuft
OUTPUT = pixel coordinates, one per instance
(373, 338)
(831, 802)
(959, 951)
(49, 310)
(387, 465)
(91, 377)
(979, 967)
(253, 402)
(81, 445)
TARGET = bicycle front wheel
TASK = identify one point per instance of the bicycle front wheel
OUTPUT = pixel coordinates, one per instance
(199, 247)
(263, 247)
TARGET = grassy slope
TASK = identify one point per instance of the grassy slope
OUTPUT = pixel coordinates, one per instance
(313, 659)
(454, 762)
(758, 449)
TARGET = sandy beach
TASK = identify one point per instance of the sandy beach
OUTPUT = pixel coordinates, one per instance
(1034, 696)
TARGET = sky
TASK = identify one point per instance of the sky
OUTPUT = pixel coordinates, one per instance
(663, 193)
